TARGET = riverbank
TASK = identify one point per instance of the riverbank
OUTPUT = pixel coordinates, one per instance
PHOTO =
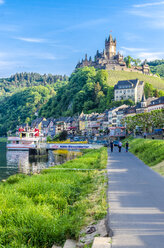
(151, 152)
(44, 209)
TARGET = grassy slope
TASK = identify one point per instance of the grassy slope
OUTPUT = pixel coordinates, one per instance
(42, 209)
(115, 76)
(159, 168)
(151, 152)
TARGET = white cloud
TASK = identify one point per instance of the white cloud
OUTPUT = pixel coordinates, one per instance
(6, 63)
(148, 4)
(151, 55)
(31, 40)
(154, 17)
(133, 49)
(140, 13)
(10, 56)
(142, 53)
(2, 1)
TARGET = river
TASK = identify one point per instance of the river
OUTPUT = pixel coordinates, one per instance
(13, 162)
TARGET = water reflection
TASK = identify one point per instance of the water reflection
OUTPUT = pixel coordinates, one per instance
(12, 162)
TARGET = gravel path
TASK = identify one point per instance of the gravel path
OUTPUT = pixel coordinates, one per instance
(136, 199)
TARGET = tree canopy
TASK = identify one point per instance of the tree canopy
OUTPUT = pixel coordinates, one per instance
(86, 91)
(21, 107)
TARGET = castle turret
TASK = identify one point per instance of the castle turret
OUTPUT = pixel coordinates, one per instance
(145, 68)
(86, 58)
(110, 47)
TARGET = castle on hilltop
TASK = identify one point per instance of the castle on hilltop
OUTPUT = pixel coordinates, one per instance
(109, 59)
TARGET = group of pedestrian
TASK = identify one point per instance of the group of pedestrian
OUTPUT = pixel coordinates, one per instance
(119, 146)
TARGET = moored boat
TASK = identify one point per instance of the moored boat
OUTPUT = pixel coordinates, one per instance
(24, 140)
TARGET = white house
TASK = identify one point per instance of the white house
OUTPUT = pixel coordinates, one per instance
(129, 89)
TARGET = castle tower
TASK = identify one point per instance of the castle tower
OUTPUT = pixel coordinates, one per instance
(110, 47)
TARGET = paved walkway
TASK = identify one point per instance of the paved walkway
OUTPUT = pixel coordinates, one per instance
(136, 198)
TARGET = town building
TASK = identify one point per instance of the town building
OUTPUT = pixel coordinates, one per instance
(142, 107)
(129, 89)
(37, 123)
(156, 104)
(115, 115)
(109, 59)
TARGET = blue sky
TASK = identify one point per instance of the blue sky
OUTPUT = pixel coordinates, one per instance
(51, 36)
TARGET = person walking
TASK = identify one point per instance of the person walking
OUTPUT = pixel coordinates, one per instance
(111, 145)
(145, 135)
(119, 146)
(127, 146)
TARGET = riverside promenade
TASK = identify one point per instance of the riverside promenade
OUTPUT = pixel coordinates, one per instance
(136, 201)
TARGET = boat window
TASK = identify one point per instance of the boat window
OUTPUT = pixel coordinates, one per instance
(17, 142)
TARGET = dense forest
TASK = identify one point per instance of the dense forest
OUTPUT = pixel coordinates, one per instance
(23, 94)
(22, 106)
(18, 81)
(157, 67)
(87, 91)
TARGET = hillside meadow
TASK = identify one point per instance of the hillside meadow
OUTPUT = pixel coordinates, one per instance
(40, 210)
(115, 76)
(151, 152)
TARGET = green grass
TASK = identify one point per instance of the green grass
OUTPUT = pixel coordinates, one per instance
(159, 168)
(40, 210)
(3, 139)
(151, 152)
(115, 76)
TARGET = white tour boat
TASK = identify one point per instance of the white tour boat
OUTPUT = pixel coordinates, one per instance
(25, 140)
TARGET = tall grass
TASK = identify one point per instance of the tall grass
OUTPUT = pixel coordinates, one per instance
(151, 152)
(115, 76)
(44, 209)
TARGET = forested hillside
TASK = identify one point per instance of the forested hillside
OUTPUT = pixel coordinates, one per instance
(157, 67)
(21, 80)
(87, 90)
(21, 107)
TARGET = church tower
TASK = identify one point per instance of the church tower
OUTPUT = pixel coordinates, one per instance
(110, 47)
(143, 102)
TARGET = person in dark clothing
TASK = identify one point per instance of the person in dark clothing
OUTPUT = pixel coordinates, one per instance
(127, 146)
(111, 145)
(119, 146)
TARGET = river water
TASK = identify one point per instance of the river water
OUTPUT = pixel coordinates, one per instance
(12, 162)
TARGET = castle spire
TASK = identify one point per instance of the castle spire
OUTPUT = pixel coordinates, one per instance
(110, 38)
(86, 57)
